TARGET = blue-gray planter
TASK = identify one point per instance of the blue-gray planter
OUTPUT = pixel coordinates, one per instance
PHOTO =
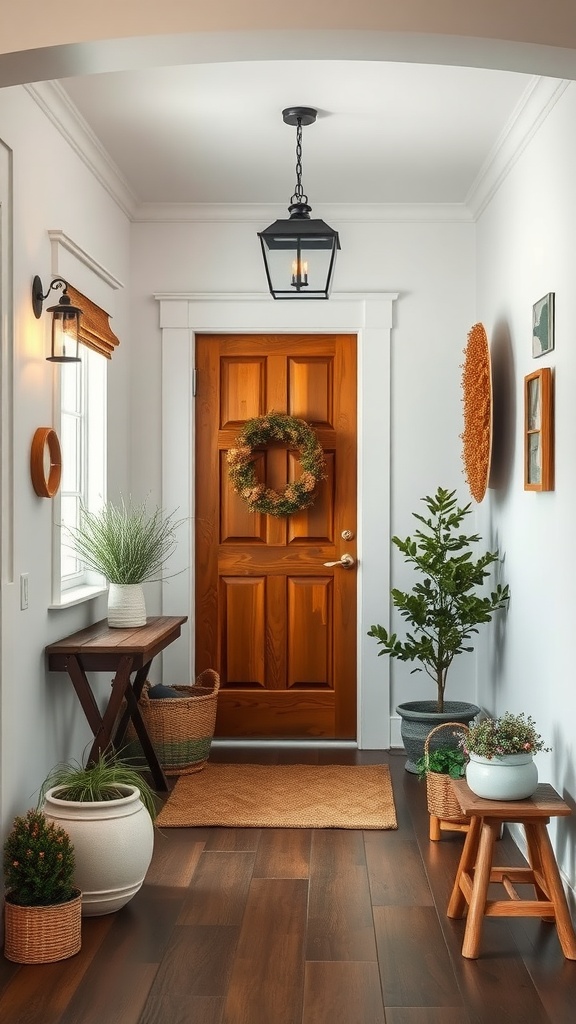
(419, 717)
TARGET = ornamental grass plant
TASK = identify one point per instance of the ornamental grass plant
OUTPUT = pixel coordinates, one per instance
(509, 734)
(38, 862)
(126, 543)
(101, 780)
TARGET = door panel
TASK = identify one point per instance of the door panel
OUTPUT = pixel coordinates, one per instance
(278, 625)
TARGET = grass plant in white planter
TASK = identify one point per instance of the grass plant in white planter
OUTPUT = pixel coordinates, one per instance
(443, 612)
(108, 809)
(129, 545)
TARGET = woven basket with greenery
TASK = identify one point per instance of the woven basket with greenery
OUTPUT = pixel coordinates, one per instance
(180, 728)
(442, 801)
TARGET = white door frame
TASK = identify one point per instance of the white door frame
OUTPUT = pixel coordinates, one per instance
(369, 316)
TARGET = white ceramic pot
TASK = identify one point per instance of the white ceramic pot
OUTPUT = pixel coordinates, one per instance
(126, 606)
(113, 843)
(509, 777)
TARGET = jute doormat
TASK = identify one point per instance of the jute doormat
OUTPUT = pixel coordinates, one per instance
(283, 796)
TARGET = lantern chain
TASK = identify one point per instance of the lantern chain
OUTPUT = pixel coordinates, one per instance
(299, 194)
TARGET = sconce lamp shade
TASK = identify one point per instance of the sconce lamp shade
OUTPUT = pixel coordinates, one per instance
(65, 322)
(299, 255)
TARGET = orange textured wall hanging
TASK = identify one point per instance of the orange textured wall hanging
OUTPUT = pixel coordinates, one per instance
(477, 402)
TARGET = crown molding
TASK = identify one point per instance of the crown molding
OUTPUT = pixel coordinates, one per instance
(55, 103)
(539, 98)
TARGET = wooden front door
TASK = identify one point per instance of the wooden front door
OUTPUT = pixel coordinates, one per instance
(275, 621)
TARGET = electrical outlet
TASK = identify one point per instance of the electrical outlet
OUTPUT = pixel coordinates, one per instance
(23, 591)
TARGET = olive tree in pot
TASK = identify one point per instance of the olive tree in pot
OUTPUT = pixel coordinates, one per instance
(443, 611)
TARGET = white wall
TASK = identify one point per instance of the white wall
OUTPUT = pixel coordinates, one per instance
(41, 720)
(526, 249)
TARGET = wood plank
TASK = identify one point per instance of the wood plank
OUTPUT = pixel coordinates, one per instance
(220, 890)
(348, 992)
(340, 913)
(267, 978)
(389, 886)
(283, 853)
(426, 1015)
(410, 978)
(173, 862)
(192, 979)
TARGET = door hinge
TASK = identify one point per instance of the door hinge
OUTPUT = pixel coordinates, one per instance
(194, 381)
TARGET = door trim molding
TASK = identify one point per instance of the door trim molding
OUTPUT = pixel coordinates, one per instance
(368, 315)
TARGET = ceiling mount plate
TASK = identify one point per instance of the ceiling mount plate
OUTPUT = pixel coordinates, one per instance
(307, 115)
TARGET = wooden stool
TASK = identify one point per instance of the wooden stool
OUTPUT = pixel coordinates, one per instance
(475, 870)
(439, 825)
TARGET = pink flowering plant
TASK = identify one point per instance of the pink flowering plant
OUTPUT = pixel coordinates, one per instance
(259, 433)
(38, 862)
(509, 734)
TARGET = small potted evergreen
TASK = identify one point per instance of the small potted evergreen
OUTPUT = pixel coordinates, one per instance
(443, 611)
(42, 904)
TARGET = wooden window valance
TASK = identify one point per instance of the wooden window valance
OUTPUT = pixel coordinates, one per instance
(95, 330)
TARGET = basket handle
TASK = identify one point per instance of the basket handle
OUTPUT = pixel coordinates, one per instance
(209, 678)
(443, 725)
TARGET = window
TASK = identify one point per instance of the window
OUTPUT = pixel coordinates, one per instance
(83, 443)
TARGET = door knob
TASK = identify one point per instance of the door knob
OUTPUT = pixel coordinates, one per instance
(347, 561)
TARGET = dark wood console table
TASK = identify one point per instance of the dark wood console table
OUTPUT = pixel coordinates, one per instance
(121, 651)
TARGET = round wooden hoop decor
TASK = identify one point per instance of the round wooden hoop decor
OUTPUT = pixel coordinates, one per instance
(258, 433)
(45, 486)
(477, 401)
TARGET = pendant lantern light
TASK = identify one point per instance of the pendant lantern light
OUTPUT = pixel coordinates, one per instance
(299, 252)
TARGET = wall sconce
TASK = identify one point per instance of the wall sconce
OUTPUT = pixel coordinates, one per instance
(65, 321)
(299, 252)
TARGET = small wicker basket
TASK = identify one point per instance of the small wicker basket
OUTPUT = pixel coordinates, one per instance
(181, 729)
(41, 935)
(442, 801)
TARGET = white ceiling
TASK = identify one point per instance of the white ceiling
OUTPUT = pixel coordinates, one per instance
(386, 132)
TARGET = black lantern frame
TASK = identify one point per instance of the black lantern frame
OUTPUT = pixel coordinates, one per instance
(65, 321)
(299, 252)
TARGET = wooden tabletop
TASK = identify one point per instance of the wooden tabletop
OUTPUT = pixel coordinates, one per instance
(99, 647)
(544, 803)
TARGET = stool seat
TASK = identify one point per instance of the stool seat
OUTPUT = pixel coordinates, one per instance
(476, 870)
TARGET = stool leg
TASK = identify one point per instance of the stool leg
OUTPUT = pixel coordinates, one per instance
(555, 888)
(457, 901)
(434, 828)
(482, 870)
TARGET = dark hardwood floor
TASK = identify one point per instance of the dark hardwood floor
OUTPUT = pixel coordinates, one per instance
(266, 926)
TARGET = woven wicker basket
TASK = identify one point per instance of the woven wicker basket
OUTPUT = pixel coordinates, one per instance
(41, 935)
(181, 729)
(442, 801)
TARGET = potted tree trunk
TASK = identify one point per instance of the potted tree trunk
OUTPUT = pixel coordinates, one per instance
(108, 809)
(443, 612)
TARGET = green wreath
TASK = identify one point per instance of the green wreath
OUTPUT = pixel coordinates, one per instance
(260, 432)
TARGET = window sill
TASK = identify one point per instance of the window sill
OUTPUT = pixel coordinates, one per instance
(77, 595)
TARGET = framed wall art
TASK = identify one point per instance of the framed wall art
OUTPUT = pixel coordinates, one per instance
(543, 325)
(538, 431)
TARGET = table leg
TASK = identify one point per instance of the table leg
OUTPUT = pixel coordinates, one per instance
(120, 684)
(457, 903)
(137, 687)
(541, 840)
(150, 754)
(482, 870)
(84, 693)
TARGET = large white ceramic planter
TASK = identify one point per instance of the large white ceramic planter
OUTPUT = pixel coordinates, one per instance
(113, 842)
(509, 777)
(126, 607)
